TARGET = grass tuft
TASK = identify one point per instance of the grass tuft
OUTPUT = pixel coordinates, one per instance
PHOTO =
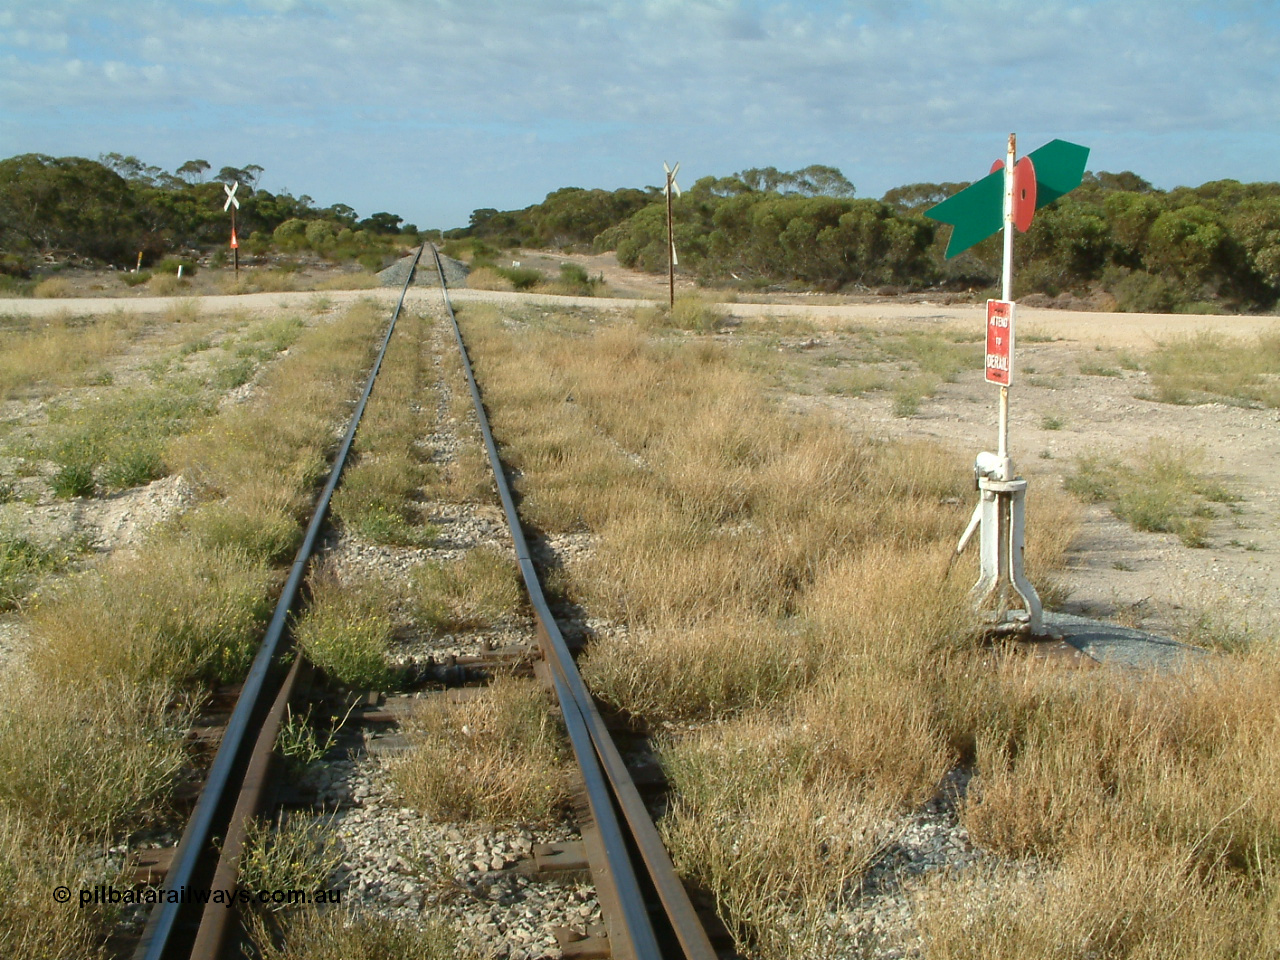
(501, 758)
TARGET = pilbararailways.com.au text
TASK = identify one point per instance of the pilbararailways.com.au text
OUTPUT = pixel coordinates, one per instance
(106, 894)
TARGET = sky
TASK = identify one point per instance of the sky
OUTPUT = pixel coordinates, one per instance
(430, 109)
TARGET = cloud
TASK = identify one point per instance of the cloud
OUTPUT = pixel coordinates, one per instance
(898, 89)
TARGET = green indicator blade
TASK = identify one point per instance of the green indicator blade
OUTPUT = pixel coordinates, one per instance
(976, 212)
(1059, 169)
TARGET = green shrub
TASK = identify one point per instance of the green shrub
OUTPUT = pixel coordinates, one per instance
(1139, 292)
(135, 279)
(73, 480)
(521, 278)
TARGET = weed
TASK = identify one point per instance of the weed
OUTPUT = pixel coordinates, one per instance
(182, 311)
(73, 480)
(319, 304)
(22, 563)
(195, 346)
(520, 278)
(301, 744)
(298, 853)
(499, 758)
(1050, 422)
(906, 401)
(1162, 492)
(348, 935)
(855, 383)
(482, 589)
(695, 314)
(34, 862)
(53, 774)
(347, 632)
(167, 285)
(1090, 369)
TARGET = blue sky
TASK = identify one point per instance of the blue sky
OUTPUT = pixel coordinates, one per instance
(432, 108)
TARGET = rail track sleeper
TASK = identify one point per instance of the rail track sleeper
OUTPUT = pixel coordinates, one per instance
(593, 945)
(150, 867)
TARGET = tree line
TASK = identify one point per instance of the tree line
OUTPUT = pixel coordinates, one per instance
(111, 209)
(1214, 246)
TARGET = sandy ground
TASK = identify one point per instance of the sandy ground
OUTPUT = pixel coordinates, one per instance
(1140, 578)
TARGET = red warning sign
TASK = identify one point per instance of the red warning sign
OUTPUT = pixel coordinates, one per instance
(235, 244)
(1000, 342)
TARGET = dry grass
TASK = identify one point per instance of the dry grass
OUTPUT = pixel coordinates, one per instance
(481, 589)
(1117, 903)
(175, 611)
(1186, 767)
(776, 574)
(349, 281)
(52, 288)
(86, 759)
(61, 349)
(488, 278)
(32, 925)
(1210, 366)
(380, 489)
(347, 935)
(501, 758)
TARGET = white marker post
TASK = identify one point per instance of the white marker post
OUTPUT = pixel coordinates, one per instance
(1001, 509)
(671, 237)
(234, 205)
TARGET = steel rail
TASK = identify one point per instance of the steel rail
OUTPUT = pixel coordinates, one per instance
(211, 816)
(608, 782)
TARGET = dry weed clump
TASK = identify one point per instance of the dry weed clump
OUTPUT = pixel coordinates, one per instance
(33, 862)
(53, 288)
(61, 349)
(84, 759)
(175, 611)
(499, 758)
(1186, 766)
(1112, 903)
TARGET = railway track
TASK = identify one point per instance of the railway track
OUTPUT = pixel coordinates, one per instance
(648, 913)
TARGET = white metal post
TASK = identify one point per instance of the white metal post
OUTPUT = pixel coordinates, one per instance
(1006, 293)
(1001, 511)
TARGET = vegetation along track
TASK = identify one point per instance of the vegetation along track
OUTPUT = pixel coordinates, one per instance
(647, 910)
